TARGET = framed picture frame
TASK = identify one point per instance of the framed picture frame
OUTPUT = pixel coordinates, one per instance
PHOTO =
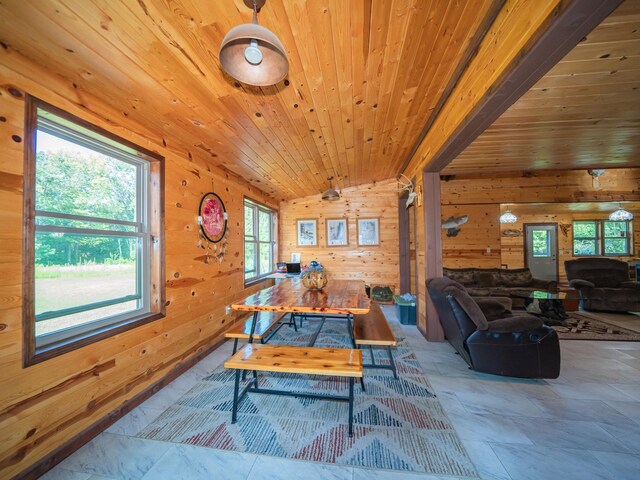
(337, 232)
(212, 217)
(368, 231)
(307, 230)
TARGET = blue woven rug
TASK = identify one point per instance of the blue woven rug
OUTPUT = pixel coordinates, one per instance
(398, 424)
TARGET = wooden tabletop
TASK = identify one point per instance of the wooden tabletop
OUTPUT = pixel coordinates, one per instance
(341, 362)
(338, 297)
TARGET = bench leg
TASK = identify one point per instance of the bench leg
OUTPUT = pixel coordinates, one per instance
(350, 328)
(293, 321)
(392, 363)
(351, 406)
(362, 384)
(234, 413)
(255, 379)
(235, 346)
(373, 358)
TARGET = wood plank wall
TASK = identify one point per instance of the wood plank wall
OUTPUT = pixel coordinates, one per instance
(480, 198)
(45, 405)
(376, 265)
(512, 248)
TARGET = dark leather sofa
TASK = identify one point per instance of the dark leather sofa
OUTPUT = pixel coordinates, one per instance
(490, 338)
(603, 284)
(515, 283)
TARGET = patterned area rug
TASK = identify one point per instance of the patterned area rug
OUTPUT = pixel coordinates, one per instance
(398, 424)
(590, 326)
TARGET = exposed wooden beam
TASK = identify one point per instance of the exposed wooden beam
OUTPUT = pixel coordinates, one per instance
(504, 68)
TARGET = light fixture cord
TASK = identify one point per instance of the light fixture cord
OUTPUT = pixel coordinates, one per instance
(255, 13)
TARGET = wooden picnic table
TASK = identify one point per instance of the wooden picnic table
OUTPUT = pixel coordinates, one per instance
(339, 297)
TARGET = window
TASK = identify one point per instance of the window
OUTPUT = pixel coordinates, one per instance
(541, 243)
(602, 237)
(93, 247)
(259, 240)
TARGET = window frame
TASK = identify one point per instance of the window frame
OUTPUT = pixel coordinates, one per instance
(600, 238)
(258, 206)
(152, 263)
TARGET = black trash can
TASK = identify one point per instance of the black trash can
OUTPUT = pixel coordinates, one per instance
(407, 310)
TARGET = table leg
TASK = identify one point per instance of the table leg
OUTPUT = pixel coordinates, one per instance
(350, 328)
(253, 326)
(315, 336)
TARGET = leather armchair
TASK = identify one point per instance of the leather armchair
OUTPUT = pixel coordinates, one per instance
(603, 284)
(503, 343)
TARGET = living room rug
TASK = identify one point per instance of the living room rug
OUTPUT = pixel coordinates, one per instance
(594, 326)
(398, 424)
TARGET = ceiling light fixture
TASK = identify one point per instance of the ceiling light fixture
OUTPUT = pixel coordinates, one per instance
(252, 53)
(330, 194)
(508, 217)
(621, 215)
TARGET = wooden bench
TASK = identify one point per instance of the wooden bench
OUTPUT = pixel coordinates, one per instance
(372, 330)
(263, 331)
(336, 362)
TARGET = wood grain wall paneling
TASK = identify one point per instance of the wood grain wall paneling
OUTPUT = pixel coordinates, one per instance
(376, 265)
(512, 248)
(481, 197)
(46, 404)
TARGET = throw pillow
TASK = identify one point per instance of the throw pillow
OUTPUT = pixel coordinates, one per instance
(485, 279)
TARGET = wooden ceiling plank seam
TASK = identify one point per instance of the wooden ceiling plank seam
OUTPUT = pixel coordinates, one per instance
(307, 51)
(380, 22)
(395, 35)
(521, 17)
(421, 122)
(228, 134)
(357, 24)
(171, 33)
(387, 106)
(305, 120)
(403, 98)
(255, 150)
(344, 72)
(283, 167)
(419, 114)
(276, 151)
(74, 43)
(324, 36)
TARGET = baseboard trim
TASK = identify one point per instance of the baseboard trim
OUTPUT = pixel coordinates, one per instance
(50, 460)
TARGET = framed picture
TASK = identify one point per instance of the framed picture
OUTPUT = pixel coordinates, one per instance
(212, 217)
(337, 232)
(368, 231)
(307, 233)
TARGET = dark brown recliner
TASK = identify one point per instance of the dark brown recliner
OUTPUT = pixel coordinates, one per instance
(505, 344)
(603, 284)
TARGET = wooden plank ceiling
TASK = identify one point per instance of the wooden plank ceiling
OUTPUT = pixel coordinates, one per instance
(584, 113)
(364, 77)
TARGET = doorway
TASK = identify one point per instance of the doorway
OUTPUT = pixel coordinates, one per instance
(541, 250)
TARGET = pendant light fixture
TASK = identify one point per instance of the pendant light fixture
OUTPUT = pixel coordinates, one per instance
(621, 215)
(330, 194)
(508, 217)
(252, 53)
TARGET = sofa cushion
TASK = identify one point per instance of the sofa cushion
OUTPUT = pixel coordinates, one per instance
(464, 276)
(485, 278)
(602, 277)
(517, 277)
(518, 323)
(469, 306)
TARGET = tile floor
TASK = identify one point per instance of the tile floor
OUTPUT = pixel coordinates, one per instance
(584, 425)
